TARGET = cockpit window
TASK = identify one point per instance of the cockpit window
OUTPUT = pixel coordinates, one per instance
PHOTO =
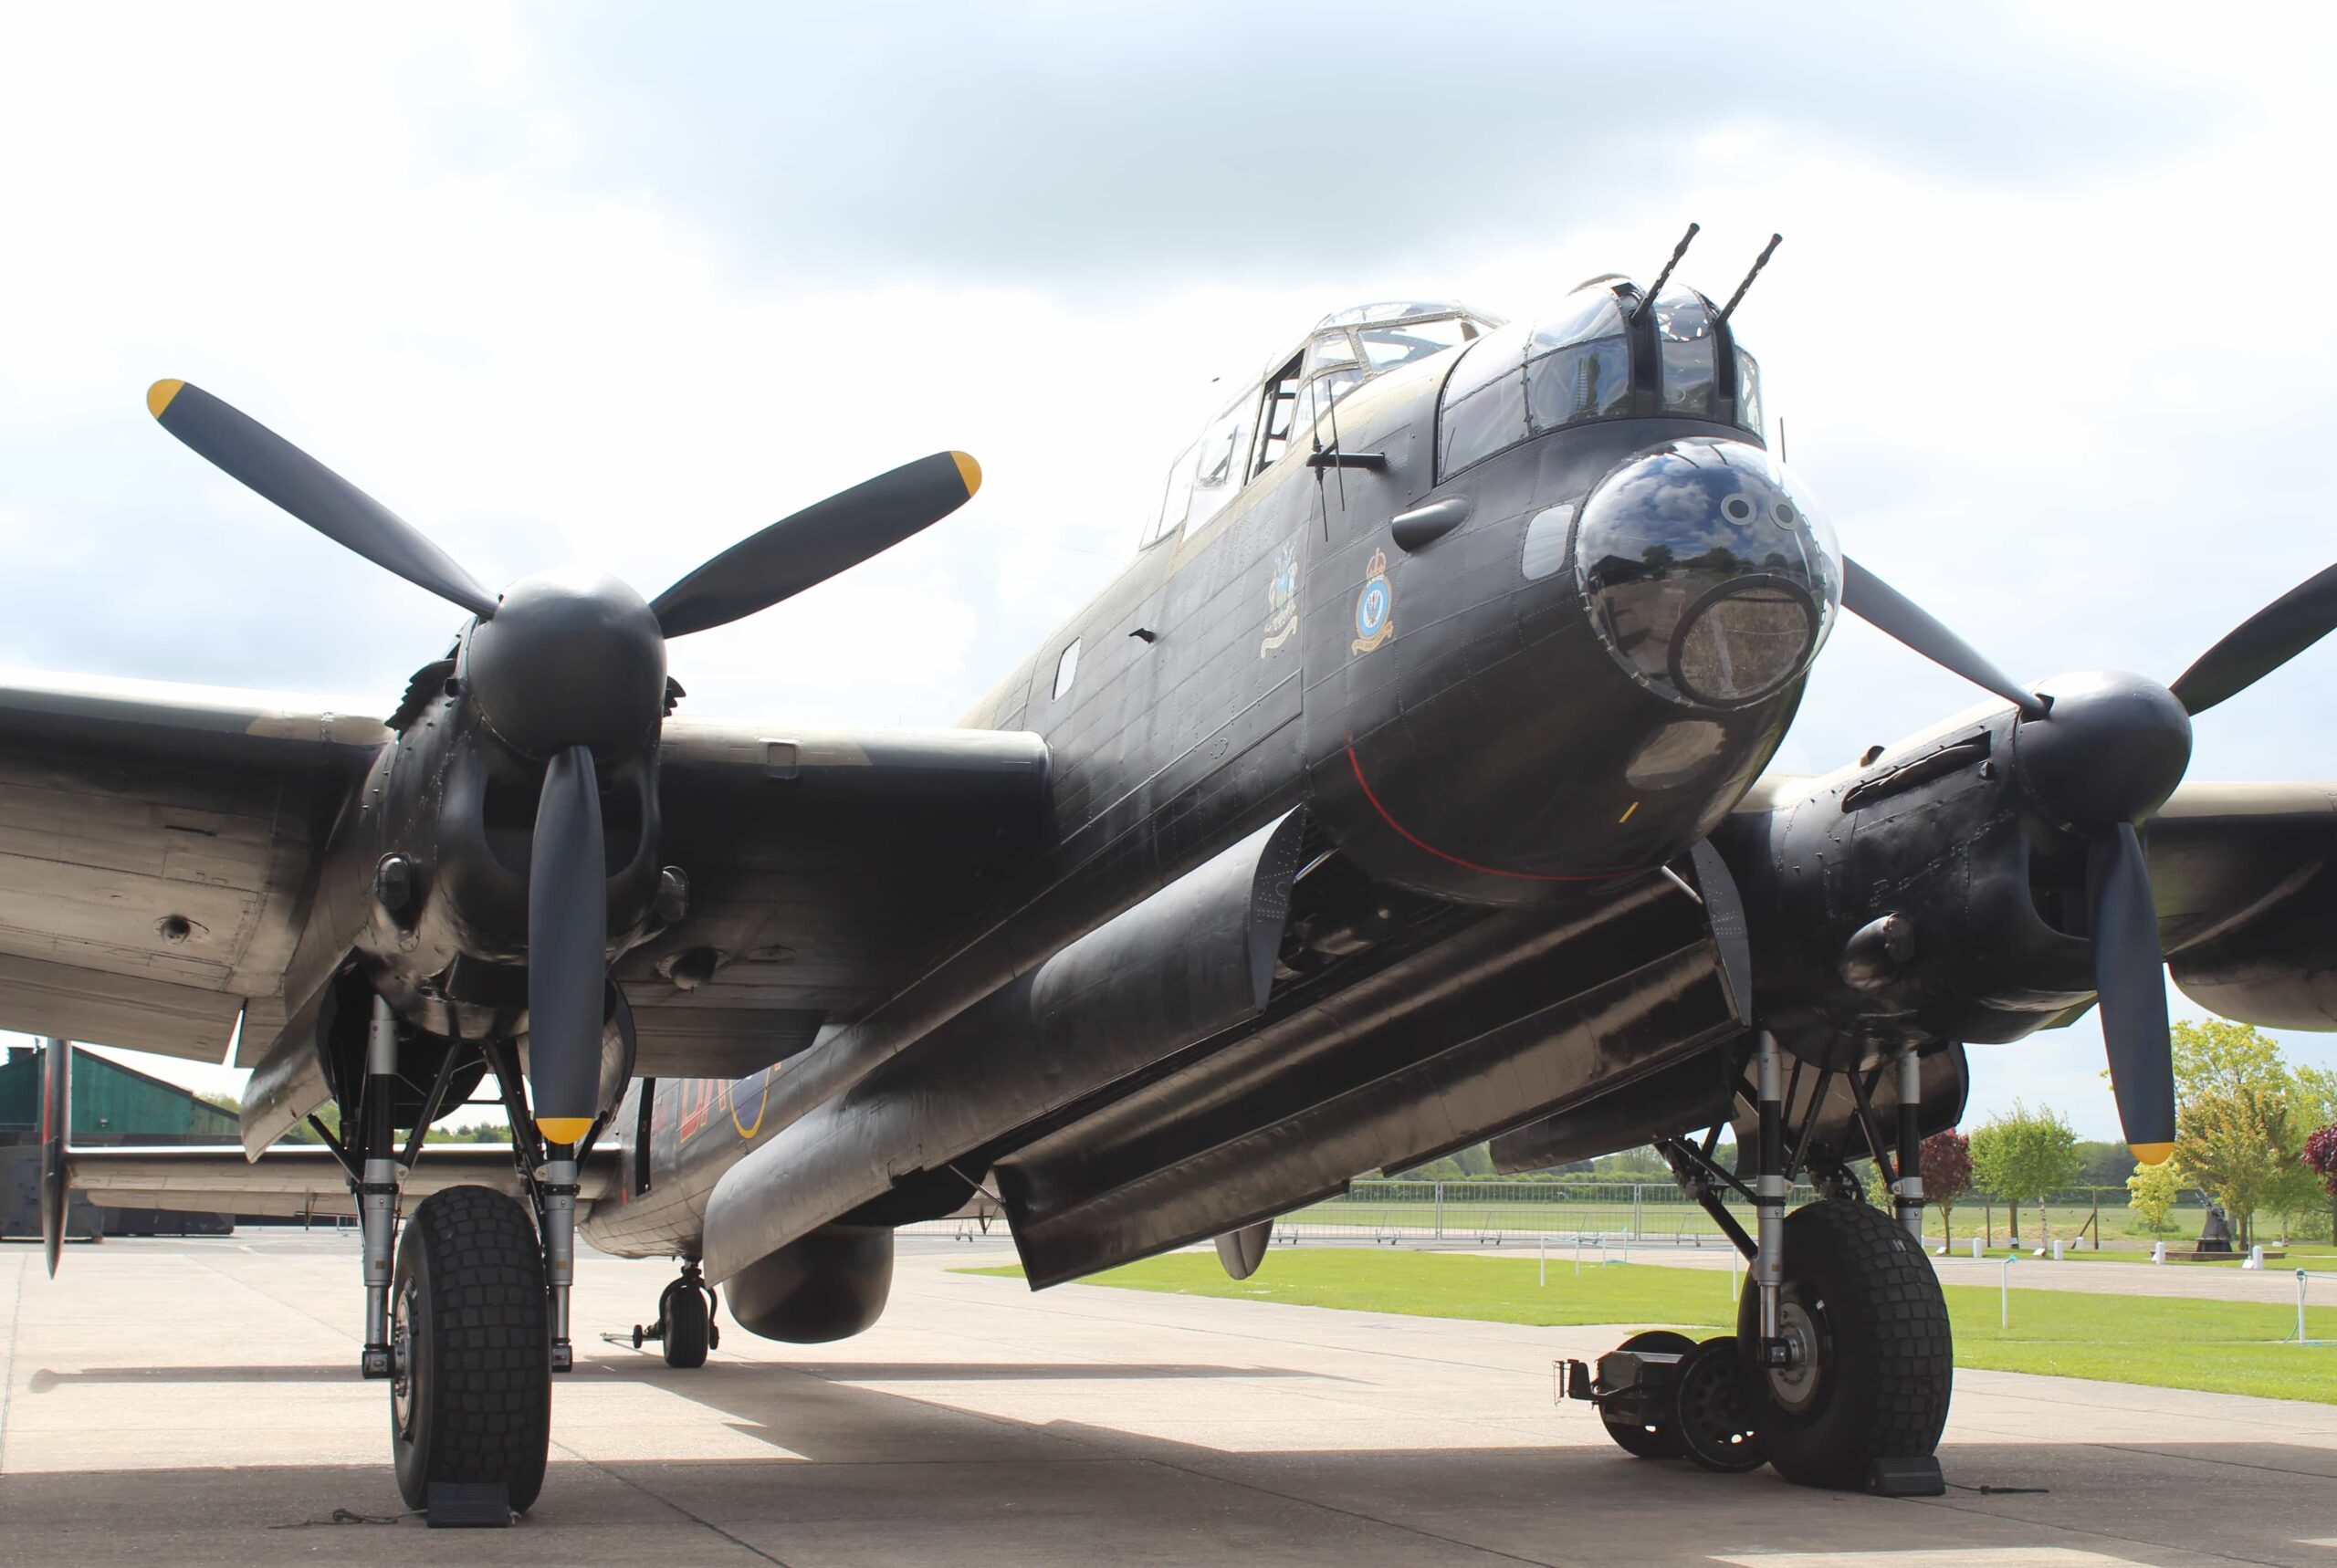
(1388, 347)
(1331, 349)
(1345, 349)
(1685, 345)
(1219, 477)
(1174, 501)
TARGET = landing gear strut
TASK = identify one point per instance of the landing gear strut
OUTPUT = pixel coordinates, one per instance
(685, 1324)
(1840, 1369)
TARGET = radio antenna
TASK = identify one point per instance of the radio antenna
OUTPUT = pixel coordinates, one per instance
(1759, 262)
(1666, 276)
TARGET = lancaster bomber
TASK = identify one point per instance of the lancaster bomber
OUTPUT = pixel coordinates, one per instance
(1407, 790)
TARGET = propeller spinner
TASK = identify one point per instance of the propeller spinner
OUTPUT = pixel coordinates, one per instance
(567, 668)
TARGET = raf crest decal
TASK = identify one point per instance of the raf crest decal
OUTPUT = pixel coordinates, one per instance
(1282, 599)
(1375, 619)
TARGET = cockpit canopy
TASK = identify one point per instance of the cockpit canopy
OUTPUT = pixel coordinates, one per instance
(1345, 349)
(1578, 365)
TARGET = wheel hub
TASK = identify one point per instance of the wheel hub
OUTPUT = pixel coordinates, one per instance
(401, 1316)
(1794, 1385)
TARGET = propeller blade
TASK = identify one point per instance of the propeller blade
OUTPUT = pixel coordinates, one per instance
(568, 942)
(246, 450)
(816, 543)
(2261, 643)
(1888, 610)
(2130, 975)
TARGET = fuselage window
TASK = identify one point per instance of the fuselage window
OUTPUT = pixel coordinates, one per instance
(1067, 669)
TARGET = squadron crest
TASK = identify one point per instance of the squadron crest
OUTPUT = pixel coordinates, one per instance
(1375, 607)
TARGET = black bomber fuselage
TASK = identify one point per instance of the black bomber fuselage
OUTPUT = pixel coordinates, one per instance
(1462, 731)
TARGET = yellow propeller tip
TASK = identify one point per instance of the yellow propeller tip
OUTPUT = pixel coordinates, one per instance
(159, 396)
(2151, 1153)
(970, 470)
(563, 1129)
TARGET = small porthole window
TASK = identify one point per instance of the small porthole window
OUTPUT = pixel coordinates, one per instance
(1067, 669)
(1545, 539)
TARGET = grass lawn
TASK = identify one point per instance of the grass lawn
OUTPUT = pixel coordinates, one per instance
(2222, 1348)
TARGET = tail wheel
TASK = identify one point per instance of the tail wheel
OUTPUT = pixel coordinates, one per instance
(1876, 1362)
(470, 1393)
(1644, 1440)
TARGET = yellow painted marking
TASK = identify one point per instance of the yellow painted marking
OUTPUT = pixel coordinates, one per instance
(2149, 1154)
(968, 470)
(159, 396)
(744, 1130)
(563, 1129)
(1627, 813)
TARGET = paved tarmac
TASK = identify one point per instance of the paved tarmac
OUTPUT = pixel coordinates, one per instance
(196, 1402)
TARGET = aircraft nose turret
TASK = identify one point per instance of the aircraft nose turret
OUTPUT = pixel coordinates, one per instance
(1709, 571)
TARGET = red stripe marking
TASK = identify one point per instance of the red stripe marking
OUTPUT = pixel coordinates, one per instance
(1413, 839)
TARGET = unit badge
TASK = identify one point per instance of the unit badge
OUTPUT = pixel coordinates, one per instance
(1282, 599)
(1375, 619)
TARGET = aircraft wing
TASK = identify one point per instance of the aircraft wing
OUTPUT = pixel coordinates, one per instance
(294, 1178)
(157, 847)
(2245, 876)
(160, 846)
(820, 859)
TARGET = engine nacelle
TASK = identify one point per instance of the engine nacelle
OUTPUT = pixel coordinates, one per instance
(829, 1285)
(1923, 896)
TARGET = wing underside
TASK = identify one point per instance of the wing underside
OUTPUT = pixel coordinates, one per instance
(158, 846)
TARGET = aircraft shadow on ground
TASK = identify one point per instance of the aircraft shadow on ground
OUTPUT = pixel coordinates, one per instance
(877, 1474)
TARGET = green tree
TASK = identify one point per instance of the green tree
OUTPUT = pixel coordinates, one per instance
(2152, 1193)
(2240, 1120)
(2023, 1153)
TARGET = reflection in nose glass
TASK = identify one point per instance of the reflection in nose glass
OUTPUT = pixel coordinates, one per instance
(1710, 581)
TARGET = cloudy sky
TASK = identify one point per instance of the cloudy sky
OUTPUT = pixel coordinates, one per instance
(620, 284)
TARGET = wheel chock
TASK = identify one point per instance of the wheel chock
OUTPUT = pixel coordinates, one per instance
(469, 1505)
(1918, 1477)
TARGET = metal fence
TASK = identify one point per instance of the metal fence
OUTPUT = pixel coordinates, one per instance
(1494, 1213)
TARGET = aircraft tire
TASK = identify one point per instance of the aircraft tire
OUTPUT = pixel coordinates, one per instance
(1640, 1439)
(686, 1326)
(470, 1312)
(1860, 1289)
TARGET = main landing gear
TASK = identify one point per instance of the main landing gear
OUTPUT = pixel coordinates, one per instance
(1840, 1371)
(685, 1324)
(466, 1311)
